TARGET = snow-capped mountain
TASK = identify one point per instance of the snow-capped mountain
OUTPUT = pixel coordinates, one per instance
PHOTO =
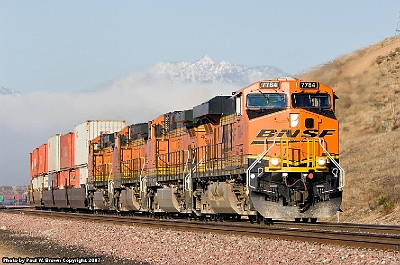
(205, 71)
(8, 91)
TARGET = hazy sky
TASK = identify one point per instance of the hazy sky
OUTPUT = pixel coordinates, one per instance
(50, 50)
(77, 45)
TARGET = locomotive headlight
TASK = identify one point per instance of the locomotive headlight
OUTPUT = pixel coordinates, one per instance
(274, 163)
(321, 162)
(294, 119)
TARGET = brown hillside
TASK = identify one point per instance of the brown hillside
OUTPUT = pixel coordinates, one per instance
(367, 84)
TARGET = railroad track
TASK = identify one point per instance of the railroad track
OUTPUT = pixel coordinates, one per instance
(346, 234)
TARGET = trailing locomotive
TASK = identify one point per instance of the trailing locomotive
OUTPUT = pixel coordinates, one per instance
(268, 151)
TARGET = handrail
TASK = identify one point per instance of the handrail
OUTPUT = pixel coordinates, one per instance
(110, 183)
(342, 179)
(141, 172)
(186, 180)
(256, 162)
(185, 168)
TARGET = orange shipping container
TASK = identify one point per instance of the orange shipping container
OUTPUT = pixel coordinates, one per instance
(74, 178)
(55, 179)
(67, 151)
(34, 157)
(43, 164)
(68, 178)
(63, 179)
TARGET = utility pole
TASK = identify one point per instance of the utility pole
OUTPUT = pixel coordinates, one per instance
(398, 25)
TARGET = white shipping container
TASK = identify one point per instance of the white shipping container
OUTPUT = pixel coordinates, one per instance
(49, 181)
(53, 154)
(46, 182)
(89, 130)
(38, 182)
(83, 175)
(41, 181)
(34, 183)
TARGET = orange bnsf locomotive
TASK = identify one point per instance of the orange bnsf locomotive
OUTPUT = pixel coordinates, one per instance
(268, 151)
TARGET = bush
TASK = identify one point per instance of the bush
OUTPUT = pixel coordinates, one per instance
(384, 200)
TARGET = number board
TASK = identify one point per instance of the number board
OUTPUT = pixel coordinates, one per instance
(309, 84)
(269, 84)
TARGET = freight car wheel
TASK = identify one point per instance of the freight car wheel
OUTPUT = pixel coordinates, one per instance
(297, 220)
(268, 221)
(305, 220)
(313, 220)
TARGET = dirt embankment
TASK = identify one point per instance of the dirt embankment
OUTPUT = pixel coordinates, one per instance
(367, 84)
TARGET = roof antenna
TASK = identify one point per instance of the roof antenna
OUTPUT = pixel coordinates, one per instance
(398, 26)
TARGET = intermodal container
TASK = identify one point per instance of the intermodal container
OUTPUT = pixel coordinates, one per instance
(43, 158)
(34, 183)
(8, 196)
(38, 182)
(34, 159)
(1, 198)
(63, 179)
(46, 182)
(55, 179)
(53, 145)
(49, 181)
(67, 151)
(21, 198)
(89, 130)
(8, 202)
(73, 178)
(82, 176)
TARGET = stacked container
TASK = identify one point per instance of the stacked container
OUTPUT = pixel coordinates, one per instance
(20, 198)
(34, 162)
(43, 165)
(9, 199)
(53, 145)
(86, 132)
(38, 167)
(59, 168)
(67, 152)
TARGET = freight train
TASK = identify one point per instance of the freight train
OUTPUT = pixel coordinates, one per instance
(268, 151)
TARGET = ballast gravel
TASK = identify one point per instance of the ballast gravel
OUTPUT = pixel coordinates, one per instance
(144, 245)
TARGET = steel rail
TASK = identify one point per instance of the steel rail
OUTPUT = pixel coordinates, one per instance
(345, 234)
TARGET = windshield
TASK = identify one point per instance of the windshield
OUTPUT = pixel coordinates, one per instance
(311, 101)
(266, 101)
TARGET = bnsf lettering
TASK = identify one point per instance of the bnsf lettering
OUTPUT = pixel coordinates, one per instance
(310, 133)
(327, 132)
(268, 133)
(288, 133)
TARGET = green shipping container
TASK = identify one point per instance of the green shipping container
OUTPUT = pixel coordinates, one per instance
(1, 198)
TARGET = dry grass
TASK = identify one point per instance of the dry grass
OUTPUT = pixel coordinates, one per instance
(367, 84)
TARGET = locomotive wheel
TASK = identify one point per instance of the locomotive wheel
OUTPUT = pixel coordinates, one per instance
(260, 218)
(252, 218)
(221, 218)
